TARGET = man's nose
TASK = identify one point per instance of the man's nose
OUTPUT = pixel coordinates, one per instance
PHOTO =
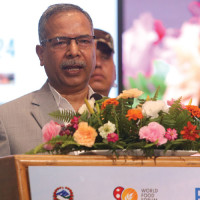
(73, 49)
(98, 62)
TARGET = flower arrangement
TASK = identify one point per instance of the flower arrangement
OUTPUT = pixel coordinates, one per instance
(115, 123)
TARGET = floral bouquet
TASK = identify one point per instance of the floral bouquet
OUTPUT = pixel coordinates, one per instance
(115, 124)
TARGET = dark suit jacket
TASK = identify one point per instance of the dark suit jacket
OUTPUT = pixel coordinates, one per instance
(21, 121)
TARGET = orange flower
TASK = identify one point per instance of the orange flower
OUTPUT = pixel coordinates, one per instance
(194, 110)
(189, 132)
(134, 114)
(85, 135)
(109, 101)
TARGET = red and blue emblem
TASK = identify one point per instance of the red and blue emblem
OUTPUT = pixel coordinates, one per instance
(63, 193)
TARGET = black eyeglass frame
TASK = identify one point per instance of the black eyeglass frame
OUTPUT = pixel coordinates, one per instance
(43, 42)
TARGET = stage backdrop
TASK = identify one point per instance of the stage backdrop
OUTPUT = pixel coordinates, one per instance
(160, 47)
(20, 70)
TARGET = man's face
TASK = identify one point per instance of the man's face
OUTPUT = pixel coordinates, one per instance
(104, 75)
(65, 78)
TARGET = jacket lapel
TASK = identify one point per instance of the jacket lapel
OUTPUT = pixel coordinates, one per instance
(42, 104)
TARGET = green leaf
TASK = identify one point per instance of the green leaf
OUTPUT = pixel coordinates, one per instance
(37, 149)
(69, 142)
(155, 97)
(64, 115)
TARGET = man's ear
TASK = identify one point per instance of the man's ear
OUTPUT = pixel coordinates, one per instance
(40, 52)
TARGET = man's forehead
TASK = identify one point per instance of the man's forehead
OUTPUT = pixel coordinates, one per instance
(70, 21)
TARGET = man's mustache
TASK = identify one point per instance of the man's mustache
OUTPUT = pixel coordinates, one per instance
(72, 63)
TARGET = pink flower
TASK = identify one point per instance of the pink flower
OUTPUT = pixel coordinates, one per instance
(154, 132)
(75, 126)
(48, 147)
(74, 122)
(50, 130)
(112, 137)
(171, 102)
(171, 134)
(160, 30)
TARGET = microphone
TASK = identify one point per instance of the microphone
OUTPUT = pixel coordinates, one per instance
(96, 96)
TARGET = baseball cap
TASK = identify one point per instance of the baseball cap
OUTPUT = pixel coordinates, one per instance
(105, 38)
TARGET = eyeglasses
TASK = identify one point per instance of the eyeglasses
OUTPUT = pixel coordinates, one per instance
(83, 41)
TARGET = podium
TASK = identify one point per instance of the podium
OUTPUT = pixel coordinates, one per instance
(17, 173)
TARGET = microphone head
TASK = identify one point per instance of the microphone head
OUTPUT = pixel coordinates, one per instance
(96, 96)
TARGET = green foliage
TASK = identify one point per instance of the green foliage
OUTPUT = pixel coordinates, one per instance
(148, 84)
(37, 149)
(196, 122)
(136, 145)
(64, 115)
(183, 144)
(155, 97)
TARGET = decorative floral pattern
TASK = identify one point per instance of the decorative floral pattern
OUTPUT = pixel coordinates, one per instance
(116, 123)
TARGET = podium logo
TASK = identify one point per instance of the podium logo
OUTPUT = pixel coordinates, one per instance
(63, 193)
(125, 194)
(197, 193)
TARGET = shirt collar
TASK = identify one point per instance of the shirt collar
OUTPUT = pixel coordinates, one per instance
(61, 102)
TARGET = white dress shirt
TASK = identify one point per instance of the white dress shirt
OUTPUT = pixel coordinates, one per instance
(61, 102)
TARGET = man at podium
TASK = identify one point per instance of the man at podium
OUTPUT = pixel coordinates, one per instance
(67, 52)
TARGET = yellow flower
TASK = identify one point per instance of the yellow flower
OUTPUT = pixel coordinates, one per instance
(85, 135)
(131, 93)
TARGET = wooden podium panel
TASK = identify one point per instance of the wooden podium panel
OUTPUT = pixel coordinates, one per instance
(8, 179)
(14, 169)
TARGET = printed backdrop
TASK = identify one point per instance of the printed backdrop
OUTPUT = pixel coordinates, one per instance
(111, 183)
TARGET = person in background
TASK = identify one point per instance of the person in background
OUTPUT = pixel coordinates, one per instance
(68, 53)
(104, 75)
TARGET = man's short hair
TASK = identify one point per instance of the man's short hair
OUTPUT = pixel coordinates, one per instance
(54, 9)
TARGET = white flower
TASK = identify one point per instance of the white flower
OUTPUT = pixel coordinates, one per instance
(106, 129)
(84, 108)
(152, 108)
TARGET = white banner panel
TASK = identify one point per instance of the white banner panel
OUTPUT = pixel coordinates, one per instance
(20, 70)
(114, 183)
